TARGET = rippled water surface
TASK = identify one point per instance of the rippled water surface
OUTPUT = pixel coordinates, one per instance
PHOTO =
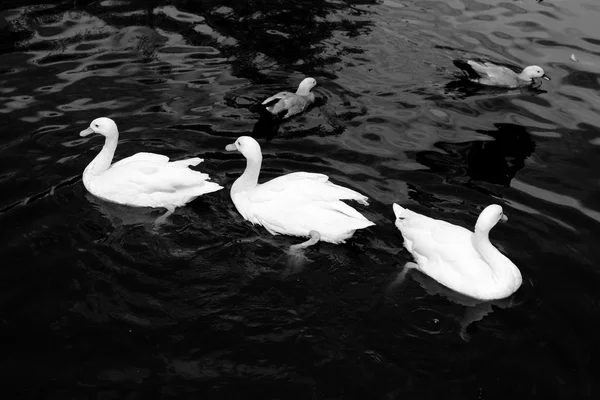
(97, 304)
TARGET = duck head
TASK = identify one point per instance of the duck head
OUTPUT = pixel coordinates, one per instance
(533, 71)
(103, 126)
(306, 86)
(246, 145)
(489, 217)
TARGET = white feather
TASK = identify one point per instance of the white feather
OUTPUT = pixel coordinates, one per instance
(459, 259)
(144, 179)
(296, 203)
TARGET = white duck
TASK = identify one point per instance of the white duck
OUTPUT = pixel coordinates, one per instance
(296, 204)
(144, 179)
(486, 73)
(292, 103)
(459, 259)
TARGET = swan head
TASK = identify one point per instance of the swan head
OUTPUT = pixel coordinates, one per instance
(533, 71)
(489, 217)
(103, 126)
(306, 86)
(246, 145)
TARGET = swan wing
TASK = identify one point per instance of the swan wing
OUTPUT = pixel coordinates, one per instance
(278, 96)
(299, 202)
(438, 243)
(446, 253)
(302, 188)
(155, 174)
(286, 101)
(297, 104)
(484, 69)
(334, 220)
(495, 74)
(142, 156)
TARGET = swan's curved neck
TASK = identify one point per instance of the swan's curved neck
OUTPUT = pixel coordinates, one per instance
(103, 160)
(249, 178)
(489, 253)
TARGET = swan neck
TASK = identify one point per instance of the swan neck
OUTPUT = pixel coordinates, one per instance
(249, 178)
(493, 257)
(103, 160)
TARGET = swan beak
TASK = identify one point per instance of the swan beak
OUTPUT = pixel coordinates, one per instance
(86, 132)
(546, 77)
(397, 210)
(503, 218)
(231, 147)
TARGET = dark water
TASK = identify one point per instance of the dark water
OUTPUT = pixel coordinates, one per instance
(95, 304)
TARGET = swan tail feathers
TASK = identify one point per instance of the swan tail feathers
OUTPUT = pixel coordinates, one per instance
(399, 211)
(343, 193)
(363, 200)
(271, 99)
(209, 187)
(467, 68)
(359, 221)
(203, 187)
(188, 162)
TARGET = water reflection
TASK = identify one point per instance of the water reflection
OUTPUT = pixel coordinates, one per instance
(462, 88)
(495, 161)
(475, 310)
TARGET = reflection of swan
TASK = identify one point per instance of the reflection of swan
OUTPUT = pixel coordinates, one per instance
(296, 204)
(119, 214)
(462, 88)
(475, 310)
(461, 260)
(292, 103)
(486, 73)
(144, 179)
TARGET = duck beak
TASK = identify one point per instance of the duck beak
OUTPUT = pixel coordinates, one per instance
(503, 218)
(546, 77)
(231, 147)
(86, 132)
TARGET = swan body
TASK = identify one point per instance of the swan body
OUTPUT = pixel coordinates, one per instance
(144, 179)
(486, 73)
(297, 204)
(292, 103)
(459, 259)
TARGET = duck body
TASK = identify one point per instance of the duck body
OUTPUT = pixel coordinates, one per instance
(458, 258)
(486, 73)
(291, 103)
(299, 202)
(295, 204)
(144, 179)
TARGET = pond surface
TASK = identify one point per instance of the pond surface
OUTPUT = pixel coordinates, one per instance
(97, 304)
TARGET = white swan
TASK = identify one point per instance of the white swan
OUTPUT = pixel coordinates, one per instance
(144, 179)
(486, 73)
(292, 103)
(296, 204)
(459, 259)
